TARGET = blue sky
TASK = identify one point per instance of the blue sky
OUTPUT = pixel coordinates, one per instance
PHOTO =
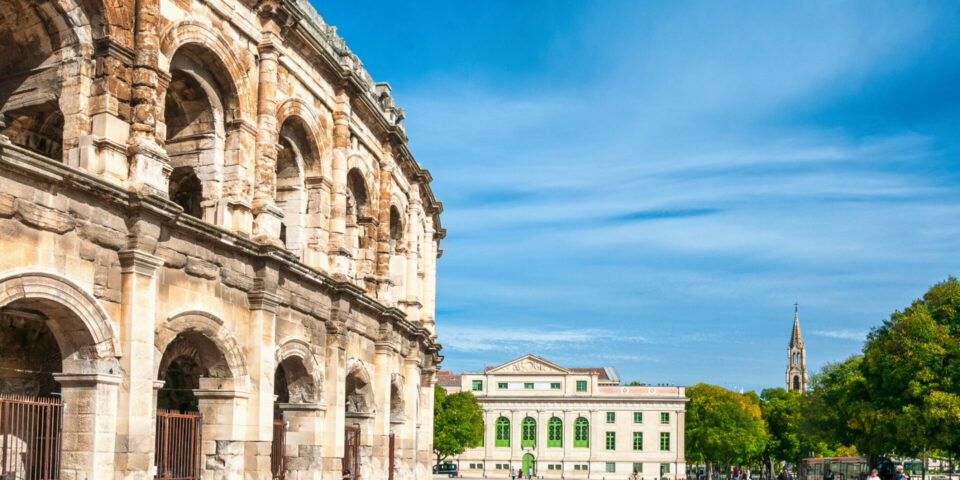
(652, 185)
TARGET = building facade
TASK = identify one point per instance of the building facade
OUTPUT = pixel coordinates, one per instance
(209, 216)
(796, 357)
(561, 422)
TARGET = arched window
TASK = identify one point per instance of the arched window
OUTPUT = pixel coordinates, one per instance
(796, 383)
(581, 433)
(528, 432)
(396, 227)
(186, 190)
(555, 432)
(503, 432)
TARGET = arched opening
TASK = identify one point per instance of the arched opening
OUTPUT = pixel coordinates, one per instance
(57, 365)
(581, 433)
(296, 156)
(186, 190)
(359, 394)
(796, 382)
(30, 114)
(356, 212)
(396, 228)
(502, 432)
(200, 101)
(528, 432)
(555, 432)
(188, 358)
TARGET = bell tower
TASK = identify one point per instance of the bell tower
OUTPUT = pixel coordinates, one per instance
(796, 357)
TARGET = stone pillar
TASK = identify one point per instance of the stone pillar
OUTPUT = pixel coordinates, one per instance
(89, 425)
(382, 267)
(412, 281)
(429, 275)
(381, 392)
(261, 346)
(222, 447)
(406, 437)
(425, 434)
(339, 255)
(317, 222)
(303, 445)
(335, 395)
(136, 413)
(266, 221)
(149, 165)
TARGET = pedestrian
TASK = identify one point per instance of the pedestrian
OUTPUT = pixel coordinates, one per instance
(900, 475)
(530, 472)
(636, 475)
(828, 473)
(873, 475)
(346, 474)
(513, 474)
(784, 474)
(520, 473)
(736, 473)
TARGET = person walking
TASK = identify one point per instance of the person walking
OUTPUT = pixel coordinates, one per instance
(513, 474)
(520, 473)
(785, 474)
(900, 475)
(346, 474)
(873, 475)
(828, 473)
(530, 472)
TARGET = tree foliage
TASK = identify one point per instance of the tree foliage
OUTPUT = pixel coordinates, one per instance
(723, 427)
(457, 423)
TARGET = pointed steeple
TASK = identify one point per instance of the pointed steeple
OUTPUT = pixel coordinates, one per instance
(796, 340)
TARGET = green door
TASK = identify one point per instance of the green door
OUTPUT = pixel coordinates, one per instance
(529, 465)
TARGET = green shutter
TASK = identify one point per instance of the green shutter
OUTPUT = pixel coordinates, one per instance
(581, 385)
(637, 417)
(503, 432)
(555, 432)
(638, 440)
(581, 433)
(611, 440)
(528, 432)
(665, 441)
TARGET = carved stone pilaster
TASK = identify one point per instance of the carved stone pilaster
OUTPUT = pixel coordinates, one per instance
(139, 262)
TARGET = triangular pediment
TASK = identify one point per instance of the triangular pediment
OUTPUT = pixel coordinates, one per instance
(529, 364)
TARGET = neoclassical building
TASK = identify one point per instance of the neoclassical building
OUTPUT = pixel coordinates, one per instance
(566, 422)
(217, 254)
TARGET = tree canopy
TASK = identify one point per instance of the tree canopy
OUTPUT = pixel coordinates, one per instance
(457, 423)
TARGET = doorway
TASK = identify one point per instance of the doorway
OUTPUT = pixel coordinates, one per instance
(529, 465)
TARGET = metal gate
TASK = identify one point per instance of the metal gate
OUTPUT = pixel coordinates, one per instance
(391, 447)
(31, 429)
(351, 451)
(276, 450)
(177, 454)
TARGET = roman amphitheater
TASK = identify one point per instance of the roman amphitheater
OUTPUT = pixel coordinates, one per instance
(217, 254)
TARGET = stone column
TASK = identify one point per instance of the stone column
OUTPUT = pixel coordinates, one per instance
(89, 425)
(317, 222)
(406, 438)
(381, 390)
(339, 255)
(266, 221)
(260, 348)
(222, 447)
(136, 412)
(303, 450)
(429, 275)
(335, 396)
(149, 165)
(383, 253)
(425, 435)
(412, 281)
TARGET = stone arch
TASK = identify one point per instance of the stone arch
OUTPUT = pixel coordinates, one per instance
(203, 337)
(84, 332)
(190, 32)
(301, 370)
(298, 174)
(359, 390)
(46, 44)
(314, 126)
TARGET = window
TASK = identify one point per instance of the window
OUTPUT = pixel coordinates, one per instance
(503, 432)
(637, 417)
(576, 467)
(581, 433)
(580, 466)
(528, 386)
(554, 386)
(638, 440)
(638, 467)
(611, 417)
(664, 441)
(665, 418)
(528, 432)
(611, 440)
(664, 468)
(502, 385)
(611, 467)
(555, 432)
(477, 385)
(581, 385)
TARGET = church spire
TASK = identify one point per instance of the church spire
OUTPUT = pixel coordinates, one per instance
(796, 340)
(796, 357)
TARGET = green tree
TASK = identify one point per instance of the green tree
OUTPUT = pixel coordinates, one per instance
(781, 414)
(723, 427)
(457, 423)
(911, 368)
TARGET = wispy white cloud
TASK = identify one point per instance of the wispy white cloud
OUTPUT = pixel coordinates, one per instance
(857, 335)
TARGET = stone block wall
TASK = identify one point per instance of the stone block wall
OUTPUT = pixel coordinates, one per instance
(214, 190)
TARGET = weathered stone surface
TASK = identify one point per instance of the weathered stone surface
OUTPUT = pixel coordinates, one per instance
(103, 236)
(202, 268)
(44, 218)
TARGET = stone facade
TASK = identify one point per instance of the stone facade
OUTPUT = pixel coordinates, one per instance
(572, 423)
(210, 205)
(796, 358)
